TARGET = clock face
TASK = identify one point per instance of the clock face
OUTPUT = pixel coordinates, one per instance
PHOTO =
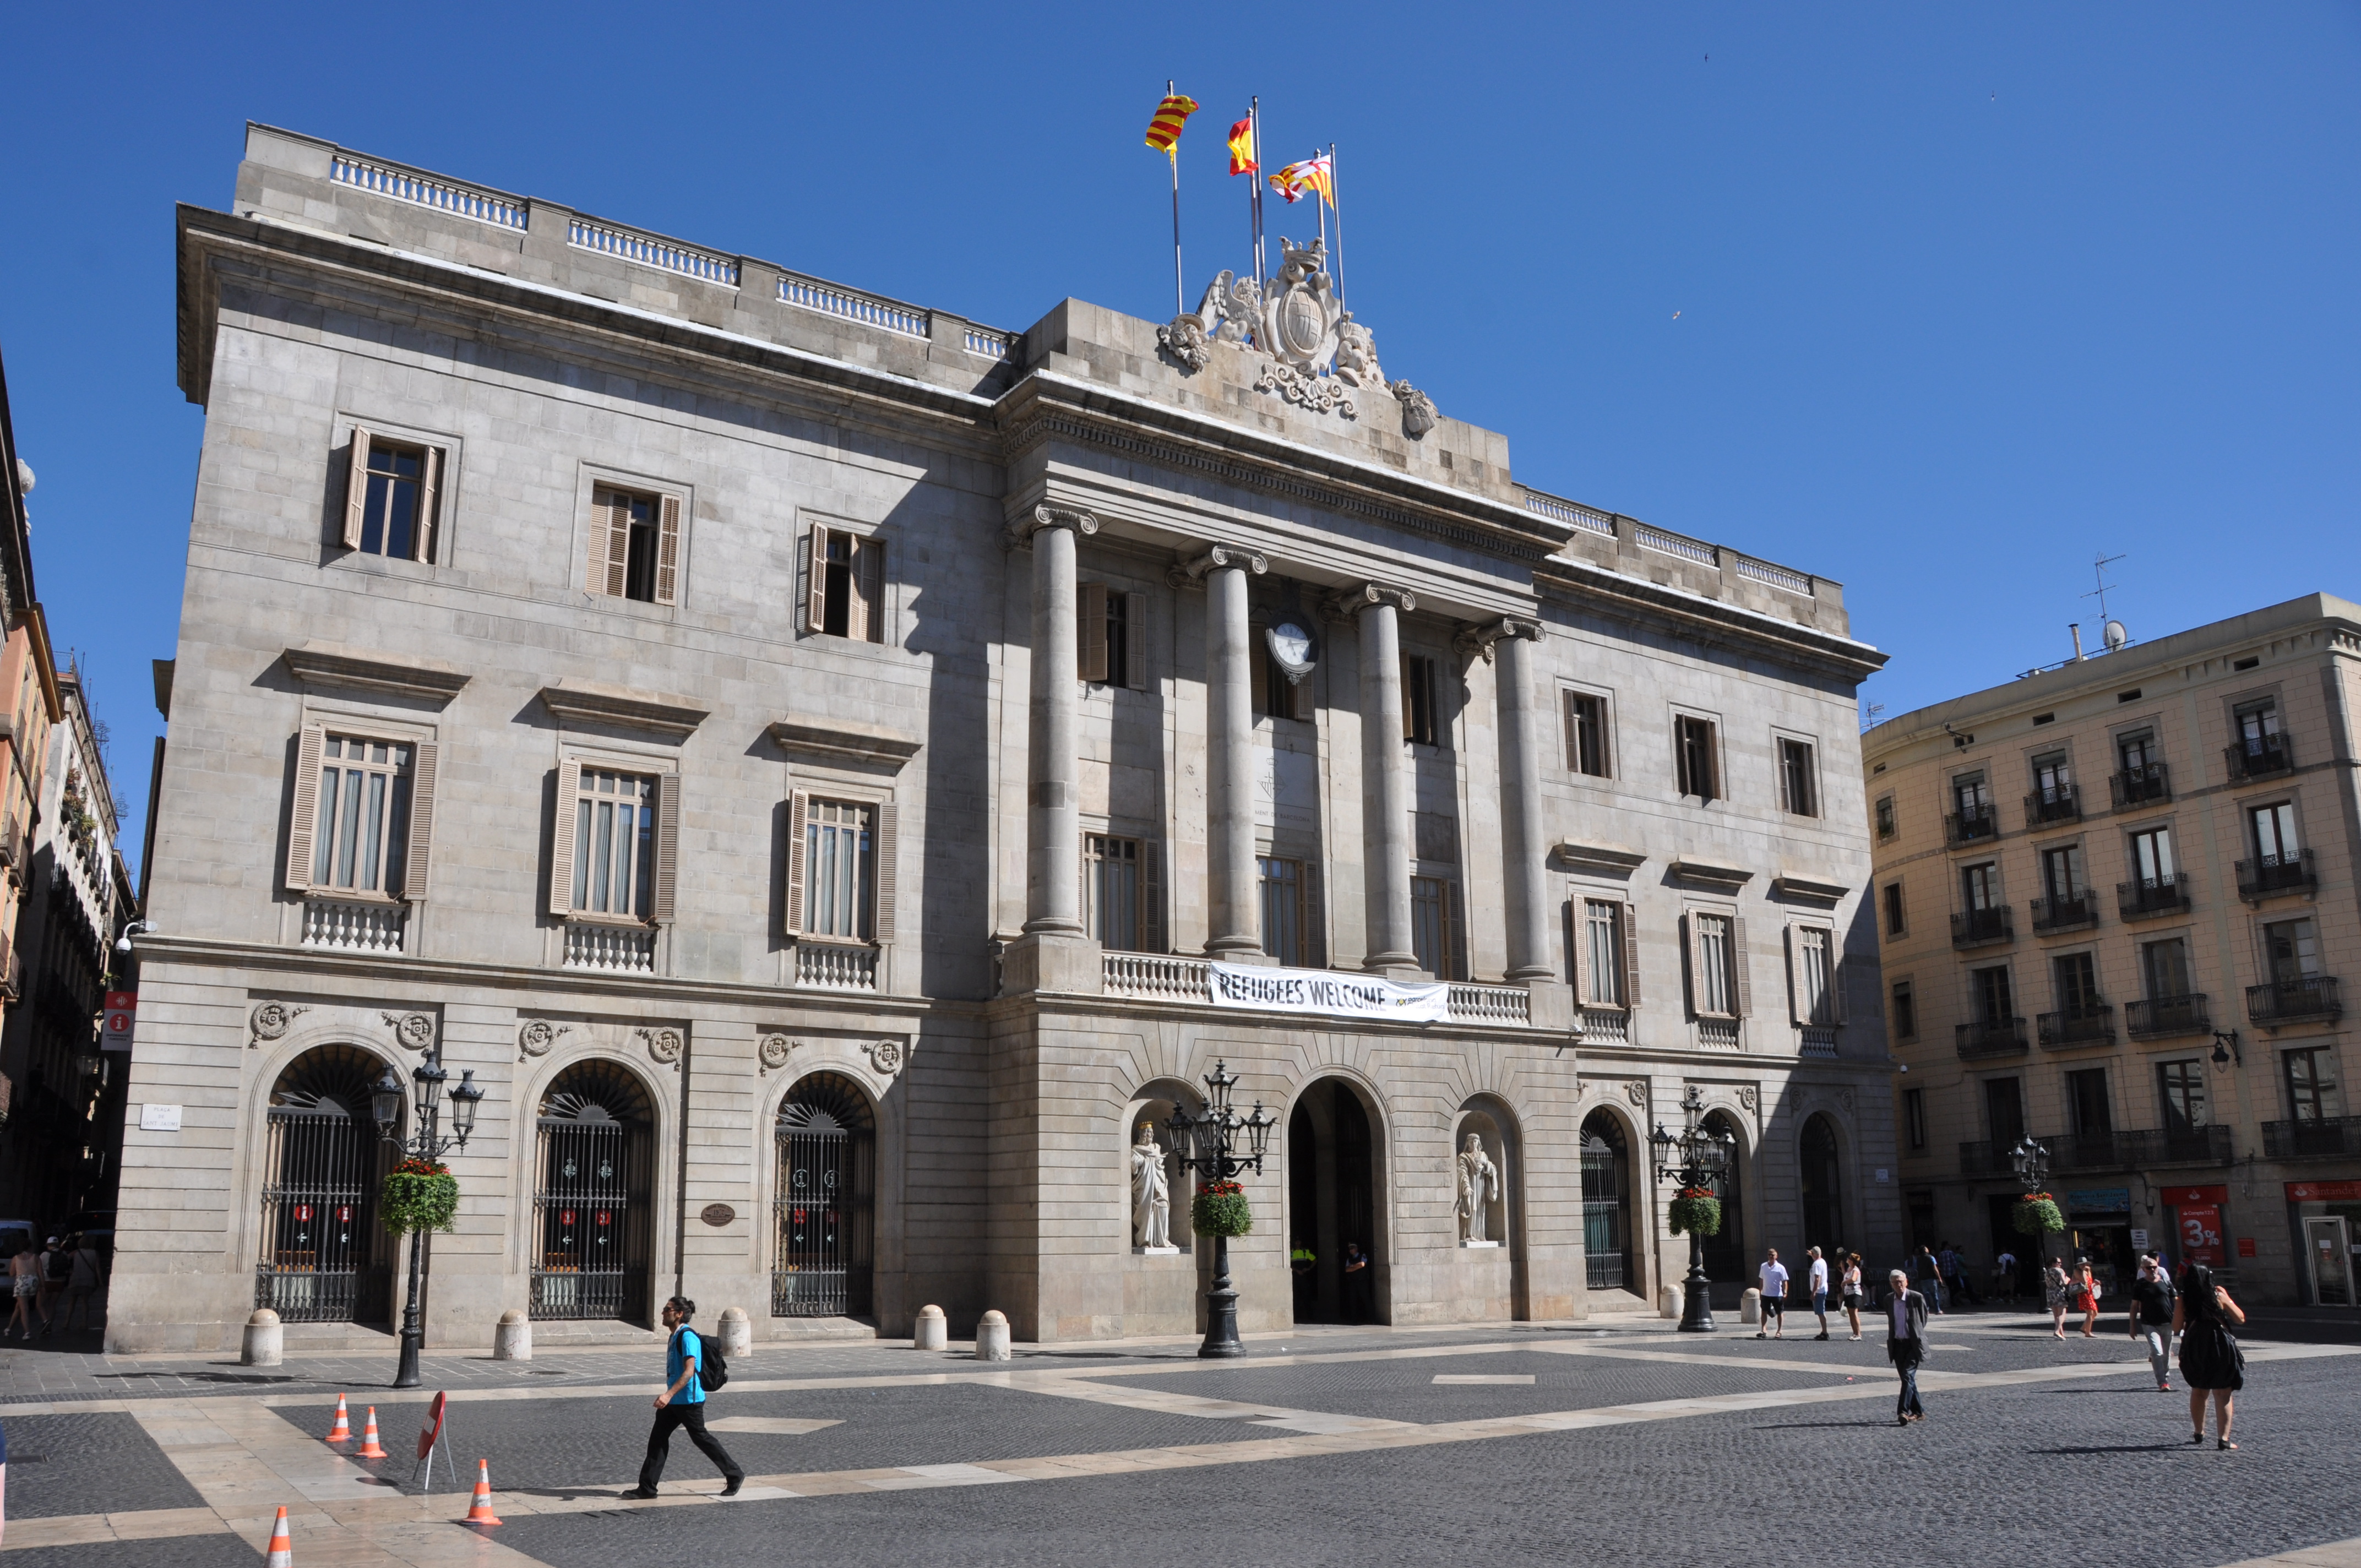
(1291, 644)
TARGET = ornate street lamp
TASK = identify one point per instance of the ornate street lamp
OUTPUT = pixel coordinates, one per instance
(384, 1108)
(1208, 1144)
(1703, 1159)
(2031, 1163)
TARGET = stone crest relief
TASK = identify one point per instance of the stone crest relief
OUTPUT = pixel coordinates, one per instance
(271, 1020)
(415, 1031)
(535, 1036)
(773, 1050)
(664, 1045)
(1637, 1093)
(886, 1056)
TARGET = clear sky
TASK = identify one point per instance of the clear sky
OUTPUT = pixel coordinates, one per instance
(1940, 303)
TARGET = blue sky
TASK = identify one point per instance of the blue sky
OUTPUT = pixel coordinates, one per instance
(1939, 302)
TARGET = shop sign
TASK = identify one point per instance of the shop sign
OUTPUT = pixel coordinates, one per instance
(2324, 1192)
(2100, 1200)
(2177, 1196)
(2201, 1233)
(115, 1023)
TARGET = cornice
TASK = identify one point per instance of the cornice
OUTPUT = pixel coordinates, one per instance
(332, 666)
(841, 741)
(580, 702)
(1592, 586)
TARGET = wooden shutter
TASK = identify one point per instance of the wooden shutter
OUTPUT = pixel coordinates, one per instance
(1629, 930)
(430, 481)
(561, 839)
(1738, 965)
(869, 590)
(594, 576)
(1151, 894)
(1299, 699)
(798, 815)
(1408, 702)
(887, 872)
(619, 545)
(356, 487)
(668, 846)
(816, 581)
(1091, 634)
(1455, 901)
(1709, 748)
(1796, 1012)
(668, 551)
(1837, 978)
(1575, 916)
(304, 817)
(1691, 938)
(422, 822)
(1258, 680)
(1135, 652)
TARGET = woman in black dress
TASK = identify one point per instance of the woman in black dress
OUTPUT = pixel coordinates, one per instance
(2210, 1361)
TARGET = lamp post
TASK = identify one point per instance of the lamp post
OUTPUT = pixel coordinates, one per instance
(1207, 1145)
(1703, 1159)
(385, 1106)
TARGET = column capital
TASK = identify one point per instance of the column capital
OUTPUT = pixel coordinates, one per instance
(1189, 571)
(1350, 603)
(1479, 636)
(1019, 534)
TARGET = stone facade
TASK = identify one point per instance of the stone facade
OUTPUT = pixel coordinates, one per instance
(996, 606)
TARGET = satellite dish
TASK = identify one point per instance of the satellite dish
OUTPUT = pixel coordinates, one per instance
(2116, 636)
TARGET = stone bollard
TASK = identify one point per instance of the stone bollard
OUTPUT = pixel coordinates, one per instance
(933, 1332)
(737, 1333)
(512, 1338)
(265, 1340)
(1669, 1301)
(991, 1337)
(1749, 1307)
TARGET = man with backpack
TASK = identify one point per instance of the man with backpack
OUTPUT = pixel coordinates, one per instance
(693, 1367)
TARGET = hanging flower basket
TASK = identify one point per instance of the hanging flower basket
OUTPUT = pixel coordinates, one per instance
(1697, 1211)
(2037, 1214)
(418, 1195)
(1220, 1209)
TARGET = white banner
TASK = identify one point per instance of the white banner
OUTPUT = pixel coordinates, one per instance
(1323, 990)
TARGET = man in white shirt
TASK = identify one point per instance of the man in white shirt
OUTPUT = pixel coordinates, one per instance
(1818, 1284)
(1774, 1274)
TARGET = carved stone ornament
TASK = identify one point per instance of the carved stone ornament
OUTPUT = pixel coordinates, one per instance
(1418, 409)
(273, 1019)
(535, 1036)
(885, 1055)
(1300, 317)
(1187, 342)
(1321, 394)
(1189, 571)
(1357, 356)
(664, 1045)
(415, 1030)
(1019, 534)
(775, 1049)
(1844, 1098)
(1749, 1096)
(1477, 637)
(1636, 1092)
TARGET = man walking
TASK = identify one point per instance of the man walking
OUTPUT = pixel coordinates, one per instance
(1905, 1343)
(1930, 1275)
(1774, 1274)
(1816, 1282)
(682, 1404)
(2151, 1319)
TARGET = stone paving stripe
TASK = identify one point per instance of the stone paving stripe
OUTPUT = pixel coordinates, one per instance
(2329, 1554)
(786, 1426)
(1483, 1378)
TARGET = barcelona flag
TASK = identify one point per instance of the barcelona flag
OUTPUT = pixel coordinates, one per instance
(1164, 129)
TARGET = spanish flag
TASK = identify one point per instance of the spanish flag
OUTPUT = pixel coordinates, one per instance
(1164, 129)
(1242, 147)
(1312, 174)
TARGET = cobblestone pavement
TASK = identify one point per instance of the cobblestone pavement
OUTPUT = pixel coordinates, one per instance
(1507, 1444)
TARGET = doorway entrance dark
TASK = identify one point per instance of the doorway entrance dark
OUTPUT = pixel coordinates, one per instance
(1330, 1202)
(1606, 1196)
(1727, 1261)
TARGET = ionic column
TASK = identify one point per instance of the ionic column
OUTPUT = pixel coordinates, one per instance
(1230, 873)
(1510, 643)
(1385, 773)
(1053, 856)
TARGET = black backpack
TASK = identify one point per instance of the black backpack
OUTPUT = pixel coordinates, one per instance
(712, 1367)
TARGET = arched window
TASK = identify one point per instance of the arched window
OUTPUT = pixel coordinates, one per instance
(324, 1259)
(824, 1206)
(592, 1216)
(1726, 1258)
(1605, 1200)
(1821, 1186)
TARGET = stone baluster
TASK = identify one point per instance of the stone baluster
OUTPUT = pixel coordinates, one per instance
(1231, 872)
(1385, 773)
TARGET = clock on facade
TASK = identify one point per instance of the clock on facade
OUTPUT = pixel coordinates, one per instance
(1292, 648)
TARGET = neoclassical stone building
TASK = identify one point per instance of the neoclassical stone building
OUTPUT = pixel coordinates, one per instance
(832, 770)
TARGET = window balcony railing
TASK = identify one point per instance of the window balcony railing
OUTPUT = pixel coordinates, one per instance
(2136, 1150)
(2073, 913)
(1816, 1040)
(1971, 827)
(1606, 1027)
(2152, 896)
(2268, 877)
(2057, 802)
(2310, 998)
(2318, 1137)
(2147, 785)
(614, 949)
(2262, 757)
(1996, 1037)
(1717, 1034)
(1157, 977)
(1492, 1003)
(2161, 1017)
(354, 927)
(1981, 927)
(2090, 1025)
(829, 966)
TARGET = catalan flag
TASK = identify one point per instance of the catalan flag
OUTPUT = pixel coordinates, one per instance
(1164, 129)
(1242, 147)
(1312, 174)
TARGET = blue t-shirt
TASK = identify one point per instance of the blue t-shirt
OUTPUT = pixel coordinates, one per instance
(685, 1347)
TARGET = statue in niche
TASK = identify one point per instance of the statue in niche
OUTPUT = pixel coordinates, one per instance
(1480, 1183)
(1152, 1194)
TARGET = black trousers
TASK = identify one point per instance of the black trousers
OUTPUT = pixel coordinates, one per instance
(660, 1444)
(1904, 1354)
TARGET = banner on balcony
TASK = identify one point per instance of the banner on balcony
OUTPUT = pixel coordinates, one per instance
(1325, 991)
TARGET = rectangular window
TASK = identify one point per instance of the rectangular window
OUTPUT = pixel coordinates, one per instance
(2087, 1105)
(1111, 869)
(1897, 922)
(1887, 825)
(2053, 778)
(1693, 755)
(1111, 636)
(1914, 1117)
(1996, 1003)
(1602, 952)
(1278, 697)
(1284, 916)
(1433, 920)
(2258, 727)
(2152, 856)
(390, 491)
(1799, 781)
(2181, 1086)
(2274, 829)
(2061, 873)
(1979, 885)
(1971, 795)
(1420, 725)
(634, 546)
(845, 585)
(1586, 734)
(2136, 750)
(1815, 1004)
(614, 844)
(839, 869)
(362, 827)
(2164, 966)
(1717, 983)
(1905, 1010)
(2292, 951)
(2078, 984)
(2311, 1084)
(2004, 1111)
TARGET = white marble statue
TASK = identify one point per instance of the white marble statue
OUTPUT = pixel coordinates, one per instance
(1152, 1194)
(1479, 1182)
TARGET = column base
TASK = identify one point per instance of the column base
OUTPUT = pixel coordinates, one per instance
(1394, 965)
(1052, 961)
(1248, 954)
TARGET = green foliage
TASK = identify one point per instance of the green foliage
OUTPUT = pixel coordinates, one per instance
(1697, 1212)
(418, 1195)
(1220, 1209)
(2037, 1214)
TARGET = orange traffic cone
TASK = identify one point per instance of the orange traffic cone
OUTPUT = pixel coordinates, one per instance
(283, 1551)
(342, 1431)
(371, 1448)
(481, 1511)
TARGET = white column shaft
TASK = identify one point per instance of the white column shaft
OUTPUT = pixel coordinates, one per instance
(1229, 786)
(1385, 791)
(1053, 862)
(1522, 844)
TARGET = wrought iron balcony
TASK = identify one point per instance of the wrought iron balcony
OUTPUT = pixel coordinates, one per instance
(2312, 998)
(1981, 927)
(2057, 802)
(1971, 827)
(2136, 1149)
(2267, 876)
(2051, 915)
(2147, 785)
(2161, 1017)
(2152, 896)
(1996, 1037)
(2322, 1137)
(2261, 757)
(2091, 1026)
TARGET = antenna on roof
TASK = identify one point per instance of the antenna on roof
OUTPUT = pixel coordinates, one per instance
(2114, 633)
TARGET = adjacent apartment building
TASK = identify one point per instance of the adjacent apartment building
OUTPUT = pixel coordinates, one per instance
(839, 775)
(2116, 902)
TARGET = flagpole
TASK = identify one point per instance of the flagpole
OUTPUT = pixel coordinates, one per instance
(1254, 187)
(1320, 205)
(1337, 202)
(1179, 289)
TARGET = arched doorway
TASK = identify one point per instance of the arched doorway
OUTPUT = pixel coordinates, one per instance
(1330, 1202)
(1606, 1248)
(825, 1202)
(1726, 1258)
(323, 1257)
(593, 1216)
(1821, 1186)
